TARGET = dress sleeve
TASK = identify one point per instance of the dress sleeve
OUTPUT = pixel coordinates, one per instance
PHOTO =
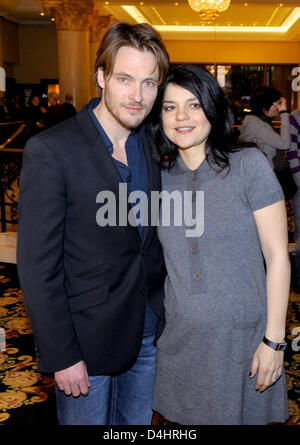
(261, 184)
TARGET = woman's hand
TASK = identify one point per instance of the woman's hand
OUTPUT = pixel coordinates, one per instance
(268, 363)
(280, 104)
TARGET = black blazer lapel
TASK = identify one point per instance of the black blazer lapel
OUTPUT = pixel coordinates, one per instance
(98, 152)
(154, 175)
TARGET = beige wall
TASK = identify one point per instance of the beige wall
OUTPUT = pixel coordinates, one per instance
(38, 54)
(233, 52)
(10, 43)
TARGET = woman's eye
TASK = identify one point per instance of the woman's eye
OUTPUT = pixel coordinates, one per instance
(168, 108)
(195, 105)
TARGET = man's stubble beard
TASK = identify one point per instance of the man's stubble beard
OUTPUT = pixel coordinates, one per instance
(113, 110)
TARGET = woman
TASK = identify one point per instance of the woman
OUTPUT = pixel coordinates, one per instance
(267, 103)
(33, 117)
(212, 365)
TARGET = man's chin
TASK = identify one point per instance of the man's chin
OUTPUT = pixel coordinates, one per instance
(133, 124)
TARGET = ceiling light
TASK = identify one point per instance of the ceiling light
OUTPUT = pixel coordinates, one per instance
(209, 5)
(42, 14)
(209, 9)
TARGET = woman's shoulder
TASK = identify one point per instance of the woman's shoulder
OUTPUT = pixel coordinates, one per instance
(246, 153)
(247, 157)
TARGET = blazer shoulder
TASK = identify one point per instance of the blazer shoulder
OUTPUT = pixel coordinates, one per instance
(69, 136)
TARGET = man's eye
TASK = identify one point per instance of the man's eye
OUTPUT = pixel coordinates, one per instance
(150, 83)
(123, 79)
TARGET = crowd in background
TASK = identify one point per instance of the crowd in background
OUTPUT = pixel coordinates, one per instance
(40, 114)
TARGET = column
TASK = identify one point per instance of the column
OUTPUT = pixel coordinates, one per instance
(72, 25)
(98, 26)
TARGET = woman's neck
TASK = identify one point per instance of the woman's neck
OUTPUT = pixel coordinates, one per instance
(192, 157)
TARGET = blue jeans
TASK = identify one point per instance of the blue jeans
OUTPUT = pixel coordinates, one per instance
(124, 399)
(296, 214)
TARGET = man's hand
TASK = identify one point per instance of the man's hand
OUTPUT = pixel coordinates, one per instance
(73, 380)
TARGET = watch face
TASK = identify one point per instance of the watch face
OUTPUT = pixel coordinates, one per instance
(281, 347)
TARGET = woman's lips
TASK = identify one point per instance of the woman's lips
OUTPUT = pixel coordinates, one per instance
(184, 130)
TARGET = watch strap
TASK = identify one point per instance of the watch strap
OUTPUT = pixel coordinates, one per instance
(273, 345)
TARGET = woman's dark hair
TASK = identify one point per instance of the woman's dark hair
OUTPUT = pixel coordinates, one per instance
(221, 140)
(262, 98)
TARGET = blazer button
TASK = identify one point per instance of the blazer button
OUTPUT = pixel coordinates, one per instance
(143, 252)
(143, 292)
(197, 276)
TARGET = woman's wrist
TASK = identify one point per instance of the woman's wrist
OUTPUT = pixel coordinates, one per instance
(277, 337)
(277, 346)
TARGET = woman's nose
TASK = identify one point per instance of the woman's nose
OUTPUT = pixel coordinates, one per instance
(181, 114)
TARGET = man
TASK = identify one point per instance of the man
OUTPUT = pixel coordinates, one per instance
(94, 291)
(68, 106)
(5, 110)
(293, 156)
(56, 112)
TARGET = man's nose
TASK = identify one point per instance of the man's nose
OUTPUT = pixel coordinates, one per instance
(136, 92)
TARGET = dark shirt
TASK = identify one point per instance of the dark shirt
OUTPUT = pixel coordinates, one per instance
(136, 177)
(136, 173)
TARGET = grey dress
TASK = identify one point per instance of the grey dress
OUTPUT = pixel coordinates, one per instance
(215, 300)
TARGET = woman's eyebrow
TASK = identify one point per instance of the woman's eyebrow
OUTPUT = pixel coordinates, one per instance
(172, 101)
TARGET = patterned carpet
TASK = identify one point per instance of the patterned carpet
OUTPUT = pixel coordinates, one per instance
(27, 397)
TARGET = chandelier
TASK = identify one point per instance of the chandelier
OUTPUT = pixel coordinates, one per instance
(209, 9)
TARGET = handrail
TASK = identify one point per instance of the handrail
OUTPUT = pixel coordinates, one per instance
(13, 136)
(11, 150)
(11, 123)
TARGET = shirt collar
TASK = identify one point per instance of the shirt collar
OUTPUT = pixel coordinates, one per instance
(136, 133)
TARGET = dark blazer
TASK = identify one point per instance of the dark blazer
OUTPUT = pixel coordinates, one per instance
(85, 286)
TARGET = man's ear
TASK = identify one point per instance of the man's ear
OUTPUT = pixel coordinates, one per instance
(100, 78)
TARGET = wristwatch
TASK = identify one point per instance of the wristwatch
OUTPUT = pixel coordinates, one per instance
(276, 346)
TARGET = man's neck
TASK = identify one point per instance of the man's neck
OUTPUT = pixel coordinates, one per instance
(115, 131)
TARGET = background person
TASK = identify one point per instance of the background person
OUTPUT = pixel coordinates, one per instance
(68, 106)
(219, 302)
(267, 103)
(293, 156)
(56, 112)
(33, 117)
